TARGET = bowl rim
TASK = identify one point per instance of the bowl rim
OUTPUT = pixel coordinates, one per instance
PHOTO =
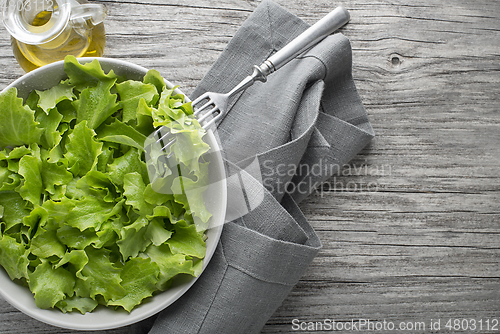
(50, 316)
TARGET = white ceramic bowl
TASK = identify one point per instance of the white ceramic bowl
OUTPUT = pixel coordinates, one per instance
(104, 318)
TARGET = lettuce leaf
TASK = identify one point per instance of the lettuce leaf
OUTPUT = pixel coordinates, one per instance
(90, 212)
(80, 304)
(154, 77)
(75, 239)
(48, 99)
(128, 163)
(131, 92)
(157, 233)
(13, 257)
(144, 114)
(186, 240)
(121, 133)
(53, 175)
(50, 122)
(58, 211)
(82, 149)
(132, 239)
(189, 194)
(140, 286)
(134, 187)
(77, 258)
(29, 169)
(15, 208)
(96, 104)
(86, 75)
(170, 264)
(39, 216)
(50, 285)
(45, 244)
(17, 121)
(100, 276)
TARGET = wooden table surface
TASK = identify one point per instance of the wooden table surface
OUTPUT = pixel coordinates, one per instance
(411, 228)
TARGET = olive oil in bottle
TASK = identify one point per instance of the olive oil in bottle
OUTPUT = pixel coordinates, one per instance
(81, 40)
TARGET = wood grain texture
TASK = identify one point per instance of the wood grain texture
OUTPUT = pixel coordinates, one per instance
(411, 227)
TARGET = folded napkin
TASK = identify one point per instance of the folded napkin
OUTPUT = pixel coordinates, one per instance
(300, 126)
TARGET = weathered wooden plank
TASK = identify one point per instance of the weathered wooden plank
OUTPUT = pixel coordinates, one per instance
(411, 301)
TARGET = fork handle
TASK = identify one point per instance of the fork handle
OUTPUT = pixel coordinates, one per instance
(313, 35)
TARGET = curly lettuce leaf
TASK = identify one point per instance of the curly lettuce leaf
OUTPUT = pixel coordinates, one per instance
(131, 92)
(13, 257)
(170, 264)
(75, 239)
(121, 133)
(106, 236)
(154, 77)
(46, 244)
(98, 184)
(15, 208)
(82, 149)
(96, 104)
(80, 304)
(139, 277)
(175, 114)
(186, 240)
(157, 233)
(155, 198)
(128, 163)
(53, 175)
(39, 216)
(11, 180)
(134, 187)
(67, 110)
(58, 211)
(132, 239)
(163, 211)
(90, 212)
(106, 157)
(50, 123)
(17, 121)
(48, 99)
(189, 194)
(50, 285)
(100, 276)
(144, 114)
(32, 189)
(14, 153)
(86, 75)
(4, 174)
(77, 258)
(172, 108)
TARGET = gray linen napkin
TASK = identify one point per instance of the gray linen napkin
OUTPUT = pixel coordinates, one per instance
(301, 125)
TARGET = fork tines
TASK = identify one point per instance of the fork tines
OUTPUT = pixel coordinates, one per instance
(207, 114)
(207, 110)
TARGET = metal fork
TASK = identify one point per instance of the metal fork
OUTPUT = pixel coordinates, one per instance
(216, 105)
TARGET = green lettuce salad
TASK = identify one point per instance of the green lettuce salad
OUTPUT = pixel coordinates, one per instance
(80, 223)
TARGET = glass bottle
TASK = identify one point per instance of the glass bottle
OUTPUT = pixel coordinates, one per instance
(44, 31)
